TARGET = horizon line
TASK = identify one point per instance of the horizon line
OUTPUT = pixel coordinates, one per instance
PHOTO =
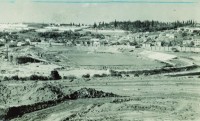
(93, 22)
(114, 1)
(109, 1)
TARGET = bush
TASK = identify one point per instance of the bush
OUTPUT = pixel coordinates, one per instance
(13, 45)
(24, 78)
(57, 60)
(86, 76)
(5, 78)
(136, 75)
(15, 77)
(69, 77)
(1, 44)
(36, 77)
(100, 75)
(55, 75)
(114, 73)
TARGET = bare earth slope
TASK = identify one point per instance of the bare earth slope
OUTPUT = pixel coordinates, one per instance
(147, 99)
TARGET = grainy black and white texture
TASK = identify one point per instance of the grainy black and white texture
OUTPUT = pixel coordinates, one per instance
(99, 60)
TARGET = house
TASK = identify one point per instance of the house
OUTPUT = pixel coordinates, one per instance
(83, 41)
(89, 41)
(11, 41)
(180, 29)
(194, 30)
(159, 43)
(146, 45)
(96, 43)
(171, 36)
(20, 44)
(196, 40)
(186, 42)
(69, 43)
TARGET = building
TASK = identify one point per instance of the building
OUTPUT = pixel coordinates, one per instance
(96, 42)
(194, 30)
(83, 41)
(171, 36)
(146, 45)
(189, 29)
(159, 43)
(21, 44)
(196, 40)
(89, 41)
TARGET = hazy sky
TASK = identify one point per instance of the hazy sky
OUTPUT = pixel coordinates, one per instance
(90, 11)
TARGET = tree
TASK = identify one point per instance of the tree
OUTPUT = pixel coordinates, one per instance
(184, 34)
(55, 75)
(164, 43)
(95, 25)
(115, 24)
(191, 44)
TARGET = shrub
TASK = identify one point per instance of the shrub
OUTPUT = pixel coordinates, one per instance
(15, 77)
(136, 75)
(24, 78)
(114, 73)
(36, 77)
(13, 45)
(5, 78)
(86, 76)
(96, 75)
(69, 77)
(1, 44)
(100, 75)
(57, 60)
(127, 75)
(3, 71)
(55, 75)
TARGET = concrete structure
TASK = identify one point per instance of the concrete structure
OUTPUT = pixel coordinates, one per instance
(89, 41)
(196, 41)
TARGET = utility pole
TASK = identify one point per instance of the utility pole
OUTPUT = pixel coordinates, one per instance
(50, 45)
(6, 46)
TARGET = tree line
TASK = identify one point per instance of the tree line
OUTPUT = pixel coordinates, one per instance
(143, 26)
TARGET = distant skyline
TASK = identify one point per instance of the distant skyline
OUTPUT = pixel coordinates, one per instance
(90, 11)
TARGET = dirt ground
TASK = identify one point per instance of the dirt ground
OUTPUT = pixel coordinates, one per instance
(158, 97)
(146, 99)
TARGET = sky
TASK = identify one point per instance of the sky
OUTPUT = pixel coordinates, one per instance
(90, 11)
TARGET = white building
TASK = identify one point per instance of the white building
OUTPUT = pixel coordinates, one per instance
(20, 44)
(192, 30)
(171, 36)
(96, 42)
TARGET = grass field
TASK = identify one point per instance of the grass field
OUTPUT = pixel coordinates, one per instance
(110, 59)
